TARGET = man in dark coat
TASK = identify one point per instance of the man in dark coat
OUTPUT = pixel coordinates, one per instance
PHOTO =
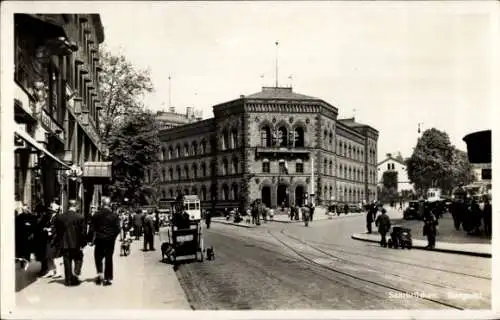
(105, 228)
(372, 210)
(137, 224)
(208, 218)
(487, 216)
(149, 232)
(25, 229)
(430, 229)
(383, 223)
(71, 235)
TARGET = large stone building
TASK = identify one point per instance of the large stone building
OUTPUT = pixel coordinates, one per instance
(275, 145)
(171, 118)
(56, 102)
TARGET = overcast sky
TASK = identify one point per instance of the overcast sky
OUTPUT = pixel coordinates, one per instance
(397, 64)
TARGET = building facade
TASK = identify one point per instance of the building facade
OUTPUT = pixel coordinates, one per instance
(170, 119)
(275, 145)
(56, 104)
(391, 163)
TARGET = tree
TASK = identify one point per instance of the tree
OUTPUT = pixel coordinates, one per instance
(431, 164)
(121, 87)
(133, 149)
(462, 173)
(390, 179)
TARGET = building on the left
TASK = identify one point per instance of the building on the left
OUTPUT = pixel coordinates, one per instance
(58, 149)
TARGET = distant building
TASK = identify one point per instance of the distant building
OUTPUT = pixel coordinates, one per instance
(171, 119)
(266, 146)
(395, 163)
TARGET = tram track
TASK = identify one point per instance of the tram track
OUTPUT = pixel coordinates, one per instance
(385, 259)
(350, 275)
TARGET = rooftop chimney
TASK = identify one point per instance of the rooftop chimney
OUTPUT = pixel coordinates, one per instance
(388, 155)
(242, 96)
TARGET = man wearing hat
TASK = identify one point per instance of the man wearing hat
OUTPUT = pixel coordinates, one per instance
(71, 236)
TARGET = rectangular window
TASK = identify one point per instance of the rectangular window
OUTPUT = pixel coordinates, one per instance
(299, 167)
(282, 168)
(266, 167)
(388, 166)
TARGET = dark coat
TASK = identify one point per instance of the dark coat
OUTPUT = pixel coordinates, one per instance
(137, 220)
(383, 222)
(53, 249)
(105, 225)
(70, 231)
(149, 225)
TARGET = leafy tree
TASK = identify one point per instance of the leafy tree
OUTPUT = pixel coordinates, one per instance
(121, 87)
(462, 169)
(432, 162)
(133, 149)
(390, 179)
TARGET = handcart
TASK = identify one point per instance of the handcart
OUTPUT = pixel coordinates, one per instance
(400, 238)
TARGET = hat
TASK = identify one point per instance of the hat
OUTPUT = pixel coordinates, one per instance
(54, 207)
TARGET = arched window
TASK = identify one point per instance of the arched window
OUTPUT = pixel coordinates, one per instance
(331, 193)
(265, 136)
(186, 172)
(325, 193)
(349, 154)
(177, 151)
(194, 191)
(235, 166)
(171, 193)
(339, 193)
(341, 171)
(163, 154)
(170, 153)
(203, 147)
(225, 140)
(325, 139)
(282, 137)
(186, 191)
(171, 174)
(331, 138)
(325, 166)
(350, 173)
(299, 166)
(225, 192)
(163, 194)
(266, 166)
(331, 168)
(225, 167)
(194, 148)
(179, 175)
(234, 139)
(195, 171)
(186, 150)
(163, 175)
(234, 192)
(299, 137)
(345, 173)
(339, 149)
(345, 150)
(203, 169)
(203, 194)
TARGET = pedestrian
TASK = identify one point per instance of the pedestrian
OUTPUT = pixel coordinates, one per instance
(430, 229)
(53, 256)
(271, 214)
(369, 217)
(105, 229)
(208, 218)
(346, 209)
(487, 216)
(71, 233)
(306, 214)
(157, 221)
(25, 229)
(384, 225)
(264, 212)
(149, 232)
(137, 224)
(311, 212)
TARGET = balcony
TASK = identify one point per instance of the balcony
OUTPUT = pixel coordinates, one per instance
(282, 152)
(51, 125)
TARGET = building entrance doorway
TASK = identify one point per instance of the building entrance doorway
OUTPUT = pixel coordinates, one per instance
(266, 196)
(282, 195)
(299, 196)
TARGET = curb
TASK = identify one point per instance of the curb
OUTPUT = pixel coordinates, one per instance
(468, 253)
(232, 224)
(331, 218)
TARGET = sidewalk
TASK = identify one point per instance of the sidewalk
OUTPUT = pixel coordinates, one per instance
(141, 281)
(473, 249)
(448, 239)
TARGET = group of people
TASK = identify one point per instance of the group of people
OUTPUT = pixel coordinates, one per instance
(140, 223)
(377, 213)
(474, 217)
(54, 236)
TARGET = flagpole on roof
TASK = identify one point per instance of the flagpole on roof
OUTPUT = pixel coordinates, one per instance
(276, 60)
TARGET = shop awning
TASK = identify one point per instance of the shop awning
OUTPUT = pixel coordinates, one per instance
(26, 137)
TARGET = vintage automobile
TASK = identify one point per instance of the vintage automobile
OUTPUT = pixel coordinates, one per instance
(414, 210)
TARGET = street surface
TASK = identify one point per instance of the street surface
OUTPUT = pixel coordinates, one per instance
(289, 266)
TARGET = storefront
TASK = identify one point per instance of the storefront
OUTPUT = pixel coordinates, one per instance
(94, 176)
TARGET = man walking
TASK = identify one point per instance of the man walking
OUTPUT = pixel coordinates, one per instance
(149, 232)
(71, 234)
(105, 229)
(384, 225)
(137, 224)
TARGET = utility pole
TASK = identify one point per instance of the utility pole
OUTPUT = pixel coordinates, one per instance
(276, 61)
(169, 92)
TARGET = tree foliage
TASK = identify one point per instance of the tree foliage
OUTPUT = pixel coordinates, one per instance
(133, 149)
(435, 162)
(390, 179)
(122, 88)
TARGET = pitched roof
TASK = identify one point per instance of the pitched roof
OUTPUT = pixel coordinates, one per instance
(351, 122)
(393, 159)
(279, 93)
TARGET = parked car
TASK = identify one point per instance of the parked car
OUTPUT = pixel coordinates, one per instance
(413, 211)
